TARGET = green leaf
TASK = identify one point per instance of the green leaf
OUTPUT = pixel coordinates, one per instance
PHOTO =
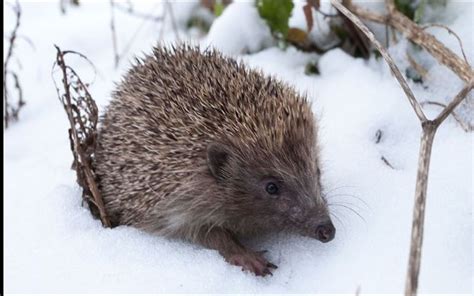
(340, 32)
(415, 10)
(277, 14)
(218, 8)
(419, 11)
(311, 69)
(437, 3)
(406, 7)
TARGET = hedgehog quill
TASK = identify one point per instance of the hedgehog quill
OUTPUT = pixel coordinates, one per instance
(197, 146)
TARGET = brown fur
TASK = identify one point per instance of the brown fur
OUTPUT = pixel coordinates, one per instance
(191, 138)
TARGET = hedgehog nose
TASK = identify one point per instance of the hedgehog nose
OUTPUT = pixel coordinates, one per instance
(325, 232)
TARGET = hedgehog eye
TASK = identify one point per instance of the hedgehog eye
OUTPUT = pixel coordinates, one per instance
(271, 188)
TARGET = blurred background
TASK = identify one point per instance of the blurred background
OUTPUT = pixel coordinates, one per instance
(369, 135)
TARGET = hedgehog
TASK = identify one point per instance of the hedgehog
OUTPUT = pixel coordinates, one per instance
(197, 146)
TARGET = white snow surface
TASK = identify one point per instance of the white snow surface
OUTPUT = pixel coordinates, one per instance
(53, 245)
(239, 30)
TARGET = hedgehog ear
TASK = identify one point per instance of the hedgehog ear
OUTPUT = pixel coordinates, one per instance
(217, 157)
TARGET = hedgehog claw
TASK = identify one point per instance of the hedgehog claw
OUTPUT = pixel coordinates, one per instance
(267, 271)
(271, 265)
(253, 262)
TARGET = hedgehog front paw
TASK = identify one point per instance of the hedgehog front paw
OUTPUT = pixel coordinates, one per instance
(253, 262)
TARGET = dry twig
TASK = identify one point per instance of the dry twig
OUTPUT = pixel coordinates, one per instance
(173, 20)
(452, 33)
(466, 126)
(114, 33)
(396, 72)
(11, 112)
(82, 114)
(429, 128)
(119, 55)
(131, 11)
(418, 68)
(417, 35)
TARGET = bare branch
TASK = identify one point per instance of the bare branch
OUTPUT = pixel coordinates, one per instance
(15, 111)
(417, 35)
(131, 11)
(367, 14)
(454, 103)
(114, 33)
(466, 126)
(396, 72)
(119, 55)
(429, 127)
(452, 33)
(390, 5)
(82, 114)
(419, 68)
(426, 145)
(173, 21)
(11, 111)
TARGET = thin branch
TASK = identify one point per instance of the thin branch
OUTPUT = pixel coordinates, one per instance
(325, 14)
(417, 35)
(10, 111)
(114, 33)
(82, 114)
(119, 55)
(429, 127)
(367, 14)
(419, 68)
(452, 33)
(173, 21)
(390, 5)
(466, 126)
(163, 23)
(396, 72)
(416, 241)
(454, 103)
(131, 11)
(15, 111)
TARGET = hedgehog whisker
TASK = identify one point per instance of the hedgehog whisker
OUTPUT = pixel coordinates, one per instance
(337, 188)
(338, 219)
(349, 195)
(362, 206)
(350, 209)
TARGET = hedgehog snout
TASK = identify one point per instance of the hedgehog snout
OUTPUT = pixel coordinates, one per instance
(325, 232)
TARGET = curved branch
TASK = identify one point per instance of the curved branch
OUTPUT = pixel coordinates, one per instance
(417, 35)
(454, 103)
(403, 83)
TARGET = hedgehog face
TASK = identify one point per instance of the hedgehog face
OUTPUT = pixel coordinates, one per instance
(264, 193)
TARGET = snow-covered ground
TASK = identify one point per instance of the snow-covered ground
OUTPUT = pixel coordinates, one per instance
(53, 245)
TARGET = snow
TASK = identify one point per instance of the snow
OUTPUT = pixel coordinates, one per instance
(52, 245)
(239, 30)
